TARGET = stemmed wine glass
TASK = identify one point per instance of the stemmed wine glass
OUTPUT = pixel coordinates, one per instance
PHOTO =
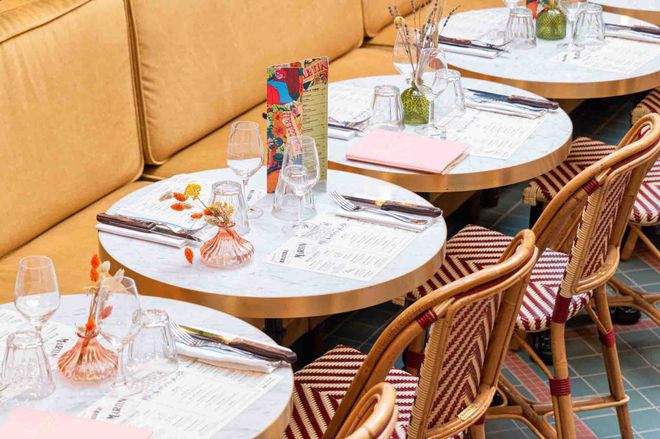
(245, 156)
(431, 85)
(571, 8)
(37, 292)
(301, 171)
(119, 318)
(404, 55)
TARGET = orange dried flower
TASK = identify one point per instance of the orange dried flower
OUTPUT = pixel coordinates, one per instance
(96, 261)
(189, 255)
(207, 212)
(197, 215)
(93, 275)
(106, 312)
(178, 206)
(89, 326)
(180, 197)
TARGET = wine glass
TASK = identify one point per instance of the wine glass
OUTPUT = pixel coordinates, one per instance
(404, 53)
(301, 171)
(37, 293)
(431, 85)
(119, 318)
(510, 4)
(245, 156)
(571, 8)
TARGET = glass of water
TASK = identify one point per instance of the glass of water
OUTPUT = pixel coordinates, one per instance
(301, 171)
(37, 294)
(26, 371)
(520, 31)
(153, 349)
(386, 108)
(590, 27)
(245, 155)
(451, 103)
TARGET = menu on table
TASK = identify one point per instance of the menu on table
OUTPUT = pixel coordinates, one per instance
(343, 247)
(616, 55)
(491, 134)
(196, 401)
(349, 104)
(475, 25)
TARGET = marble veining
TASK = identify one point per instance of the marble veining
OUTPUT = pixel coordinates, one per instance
(533, 64)
(72, 398)
(551, 135)
(258, 279)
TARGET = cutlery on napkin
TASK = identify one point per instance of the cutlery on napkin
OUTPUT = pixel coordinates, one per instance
(466, 50)
(503, 108)
(376, 218)
(399, 206)
(149, 237)
(535, 103)
(631, 35)
(221, 358)
(652, 30)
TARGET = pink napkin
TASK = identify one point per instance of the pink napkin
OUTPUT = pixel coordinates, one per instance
(25, 423)
(407, 151)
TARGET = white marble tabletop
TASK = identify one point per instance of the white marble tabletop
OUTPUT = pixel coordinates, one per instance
(263, 290)
(267, 417)
(531, 69)
(637, 5)
(543, 150)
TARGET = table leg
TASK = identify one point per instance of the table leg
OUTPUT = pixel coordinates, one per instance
(275, 330)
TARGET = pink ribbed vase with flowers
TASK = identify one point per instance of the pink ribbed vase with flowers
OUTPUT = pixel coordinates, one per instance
(226, 249)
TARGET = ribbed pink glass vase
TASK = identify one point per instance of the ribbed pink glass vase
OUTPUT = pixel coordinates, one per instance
(226, 249)
(88, 360)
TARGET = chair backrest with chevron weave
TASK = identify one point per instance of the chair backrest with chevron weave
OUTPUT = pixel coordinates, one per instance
(471, 322)
(593, 209)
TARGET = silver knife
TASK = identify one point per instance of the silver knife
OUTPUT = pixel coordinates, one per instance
(143, 226)
(524, 100)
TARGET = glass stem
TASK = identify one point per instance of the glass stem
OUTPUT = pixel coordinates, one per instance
(300, 210)
(38, 326)
(571, 39)
(245, 193)
(121, 366)
(432, 112)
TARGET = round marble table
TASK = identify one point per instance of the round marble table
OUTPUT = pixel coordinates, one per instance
(544, 149)
(532, 69)
(647, 10)
(267, 417)
(262, 290)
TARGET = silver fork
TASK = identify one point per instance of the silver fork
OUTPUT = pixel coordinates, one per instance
(183, 337)
(350, 207)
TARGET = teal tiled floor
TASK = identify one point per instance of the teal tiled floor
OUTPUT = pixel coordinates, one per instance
(639, 345)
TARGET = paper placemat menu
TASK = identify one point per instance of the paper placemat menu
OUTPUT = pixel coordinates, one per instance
(349, 104)
(491, 134)
(476, 25)
(616, 55)
(196, 401)
(342, 247)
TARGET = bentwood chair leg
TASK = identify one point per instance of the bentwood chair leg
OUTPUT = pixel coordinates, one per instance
(611, 360)
(629, 246)
(478, 431)
(414, 355)
(644, 302)
(560, 385)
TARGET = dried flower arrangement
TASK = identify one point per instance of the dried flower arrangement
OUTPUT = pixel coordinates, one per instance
(217, 214)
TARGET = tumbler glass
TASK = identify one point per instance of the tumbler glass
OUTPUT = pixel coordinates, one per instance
(520, 30)
(451, 103)
(590, 27)
(231, 192)
(153, 349)
(26, 370)
(386, 109)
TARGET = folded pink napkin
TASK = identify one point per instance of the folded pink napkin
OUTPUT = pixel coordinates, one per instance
(407, 151)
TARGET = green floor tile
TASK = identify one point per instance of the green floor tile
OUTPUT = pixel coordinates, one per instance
(595, 414)
(498, 425)
(577, 347)
(640, 339)
(356, 330)
(603, 426)
(513, 434)
(645, 377)
(588, 365)
(637, 401)
(644, 420)
(632, 264)
(373, 316)
(647, 276)
(652, 394)
(579, 387)
(511, 377)
(631, 360)
(654, 434)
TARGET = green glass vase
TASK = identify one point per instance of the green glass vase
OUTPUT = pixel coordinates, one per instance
(550, 24)
(415, 107)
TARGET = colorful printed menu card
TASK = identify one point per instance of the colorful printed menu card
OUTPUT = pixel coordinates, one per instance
(407, 151)
(296, 104)
(25, 423)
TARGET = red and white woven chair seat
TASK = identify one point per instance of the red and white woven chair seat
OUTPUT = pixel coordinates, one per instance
(476, 247)
(321, 385)
(584, 152)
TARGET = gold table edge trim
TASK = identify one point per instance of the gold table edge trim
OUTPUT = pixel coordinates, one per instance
(289, 307)
(419, 182)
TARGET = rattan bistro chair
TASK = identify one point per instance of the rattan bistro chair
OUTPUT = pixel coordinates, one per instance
(645, 213)
(588, 216)
(374, 416)
(470, 323)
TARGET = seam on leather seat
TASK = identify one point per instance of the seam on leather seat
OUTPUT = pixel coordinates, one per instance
(39, 4)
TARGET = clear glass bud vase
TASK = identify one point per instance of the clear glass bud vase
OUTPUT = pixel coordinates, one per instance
(415, 107)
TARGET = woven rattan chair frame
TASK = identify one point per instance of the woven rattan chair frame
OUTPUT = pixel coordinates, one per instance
(374, 416)
(573, 215)
(507, 281)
